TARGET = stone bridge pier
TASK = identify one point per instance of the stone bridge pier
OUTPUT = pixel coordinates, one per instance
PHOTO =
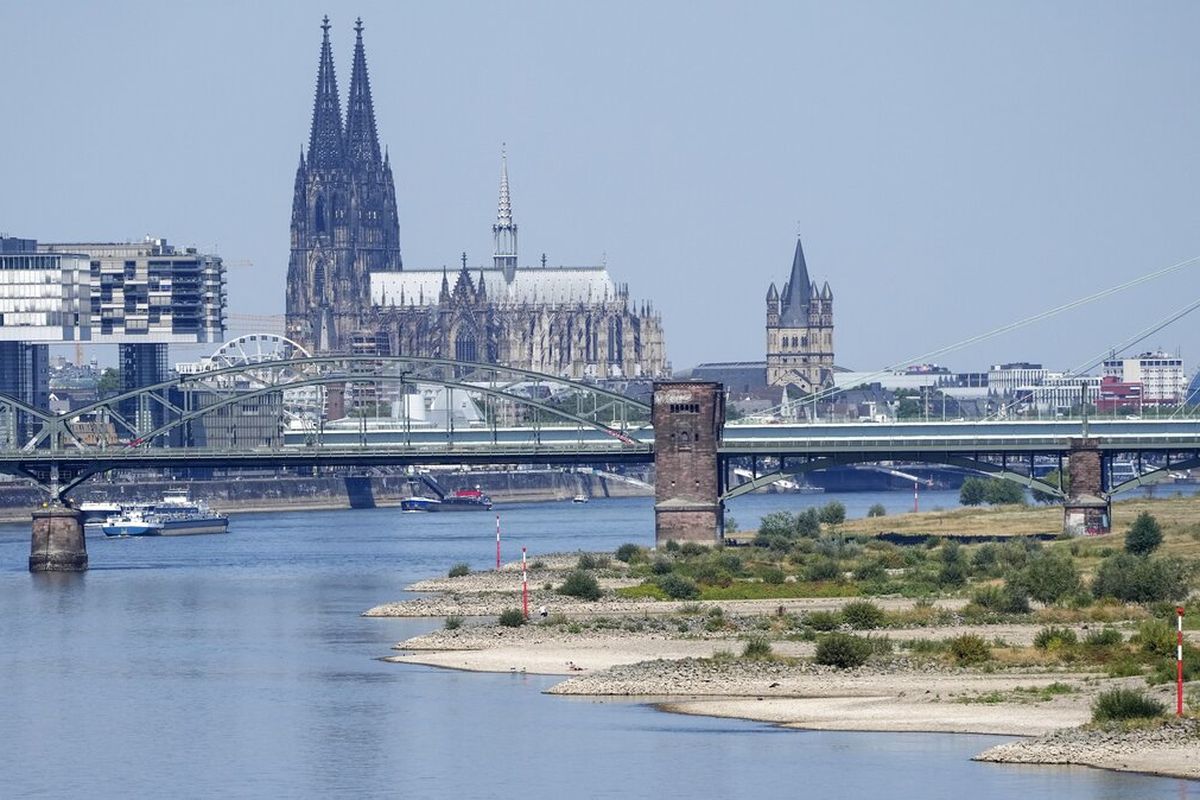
(57, 544)
(688, 420)
(1087, 508)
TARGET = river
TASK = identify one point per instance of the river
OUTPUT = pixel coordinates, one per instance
(238, 666)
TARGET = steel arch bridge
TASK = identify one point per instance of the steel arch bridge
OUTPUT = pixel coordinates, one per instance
(526, 416)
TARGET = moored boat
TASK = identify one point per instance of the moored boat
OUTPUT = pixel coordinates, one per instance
(174, 515)
(461, 500)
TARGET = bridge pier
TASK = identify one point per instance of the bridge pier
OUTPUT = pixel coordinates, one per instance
(688, 419)
(58, 544)
(1087, 508)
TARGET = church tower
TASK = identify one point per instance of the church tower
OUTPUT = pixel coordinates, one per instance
(504, 232)
(800, 331)
(344, 219)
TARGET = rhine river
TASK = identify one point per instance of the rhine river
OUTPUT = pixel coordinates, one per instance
(238, 666)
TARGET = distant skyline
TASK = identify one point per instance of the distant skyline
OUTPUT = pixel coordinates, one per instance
(952, 167)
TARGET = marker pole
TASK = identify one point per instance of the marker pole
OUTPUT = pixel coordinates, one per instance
(1179, 662)
(916, 497)
(524, 586)
(497, 542)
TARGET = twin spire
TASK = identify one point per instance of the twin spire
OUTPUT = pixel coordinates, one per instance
(329, 143)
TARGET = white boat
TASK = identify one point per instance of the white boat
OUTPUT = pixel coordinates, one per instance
(580, 498)
(174, 515)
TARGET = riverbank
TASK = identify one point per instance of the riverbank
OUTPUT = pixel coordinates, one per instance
(688, 657)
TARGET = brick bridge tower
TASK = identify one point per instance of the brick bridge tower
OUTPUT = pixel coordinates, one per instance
(688, 419)
(1087, 508)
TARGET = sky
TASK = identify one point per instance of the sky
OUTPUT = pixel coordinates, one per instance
(951, 166)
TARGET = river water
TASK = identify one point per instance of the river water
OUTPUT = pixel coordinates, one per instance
(238, 666)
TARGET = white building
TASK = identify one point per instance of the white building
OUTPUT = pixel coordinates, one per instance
(1006, 379)
(1160, 374)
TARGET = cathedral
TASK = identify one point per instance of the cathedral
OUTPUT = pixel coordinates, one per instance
(348, 291)
(800, 331)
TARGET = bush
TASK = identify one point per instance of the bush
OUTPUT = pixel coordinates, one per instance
(512, 618)
(773, 575)
(1108, 637)
(677, 587)
(877, 510)
(969, 649)
(661, 566)
(999, 491)
(1121, 703)
(873, 570)
(843, 650)
(1055, 638)
(822, 620)
(832, 513)
(823, 569)
(1050, 578)
(593, 561)
(1144, 536)
(581, 584)
(459, 570)
(1131, 579)
(1006, 599)
(454, 622)
(629, 552)
(863, 615)
(757, 647)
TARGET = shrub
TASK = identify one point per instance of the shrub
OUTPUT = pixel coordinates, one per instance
(1144, 536)
(777, 524)
(969, 649)
(863, 614)
(773, 575)
(808, 523)
(459, 570)
(628, 552)
(877, 510)
(832, 513)
(972, 492)
(1006, 599)
(757, 647)
(999, 491)
(822, 620)
(512, 618)
(843, 650)
(581, 584)
(823, 569)
(539, 564)
(1055, 638)
(1107, 637)
(593, 561)
(671, 546)
(1128, 578)
(661, 566)
(873, 570)
(1121, 703)
(677, 587)
(454, 622)
(1050, 578)
(692, 549)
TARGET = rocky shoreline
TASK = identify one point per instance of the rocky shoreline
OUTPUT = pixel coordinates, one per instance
(682, 656)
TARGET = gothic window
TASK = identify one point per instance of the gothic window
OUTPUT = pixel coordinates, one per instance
(804, 341)
(318, 284)
(464, 346)
(614, 340)
(319, 222)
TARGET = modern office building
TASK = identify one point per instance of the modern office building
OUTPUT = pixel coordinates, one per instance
(141, 296)
(1160, 375)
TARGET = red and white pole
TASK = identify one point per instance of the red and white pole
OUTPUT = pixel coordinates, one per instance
(497, 542)
(1179, 661)
(916, 497)
(524, 586)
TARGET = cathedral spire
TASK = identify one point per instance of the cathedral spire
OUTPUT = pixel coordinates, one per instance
(796, 294)
(362, 140)
(504, 232)
(325, 145)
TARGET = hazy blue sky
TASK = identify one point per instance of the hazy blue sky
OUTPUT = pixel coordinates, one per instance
(952, 166)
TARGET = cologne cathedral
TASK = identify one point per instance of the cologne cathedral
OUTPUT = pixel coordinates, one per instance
(348, 291)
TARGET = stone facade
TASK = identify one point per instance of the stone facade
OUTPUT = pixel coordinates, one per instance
(800, 332)
(688, 420)
(348, 291)
(58, 544)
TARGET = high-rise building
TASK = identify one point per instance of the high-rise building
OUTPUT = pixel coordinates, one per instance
(1160, 375)
(348, 291)
(800, 331)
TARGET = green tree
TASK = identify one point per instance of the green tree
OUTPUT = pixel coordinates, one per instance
(973, 492)
(999, 491)
(1134, 579)
(109, 383)
(832, 513)
(877, 510)
(1053, 477)
(1144, 536)
(1049, 579)
(908, 408)
(808, 523)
